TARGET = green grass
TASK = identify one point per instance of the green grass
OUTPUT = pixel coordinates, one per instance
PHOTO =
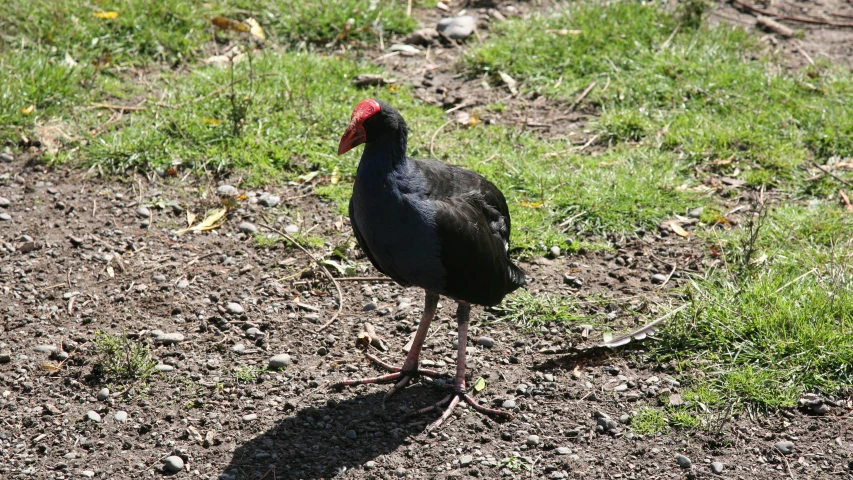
(781, 328)
(530, 310)
(122, 360)
(710, 93)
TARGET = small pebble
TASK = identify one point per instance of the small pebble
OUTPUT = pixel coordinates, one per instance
(466, 460)
(87, 473)
(162, 367)
(121, 416)
(717, 467)
(369, 464)
(291, 229)
(5, 217)
(4, 202)
(247, 227)
(555, 251)
(351, 434)
(457, 28)
(227, 190)
(169, 338)
(785, 447)
(45, 348)
(269, 200)
(173, 464)
(103, 394)
(564, 451)
(683, 461)
(250, 417)
(508, 404)
(279, 361)
(93, 416)
(487, 342)
(658, 278)
(532, 440)
(143, 211)
(234, 308)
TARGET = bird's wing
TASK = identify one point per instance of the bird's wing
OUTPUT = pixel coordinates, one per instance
(360, 239)
(472, 253)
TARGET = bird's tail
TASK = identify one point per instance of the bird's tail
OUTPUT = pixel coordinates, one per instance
(517, 277)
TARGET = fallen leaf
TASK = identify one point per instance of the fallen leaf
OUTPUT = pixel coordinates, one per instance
(229, 24)
(309, 176)
(509, 81)
(531, 204)
(210, 121)
(28, 110)
(191, 217)
(214, 219)
(50, 367)
(110, 271)
(607, 336)
(480, 384)
(255, 29)
(107, 15)
(678, 230)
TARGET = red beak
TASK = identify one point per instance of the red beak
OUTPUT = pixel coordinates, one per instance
(354, 135)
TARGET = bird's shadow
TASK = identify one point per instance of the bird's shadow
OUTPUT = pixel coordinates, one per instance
(317, 442)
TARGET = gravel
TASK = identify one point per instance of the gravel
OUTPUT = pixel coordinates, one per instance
(279, 361)
(173, 464)
(457, 28)
(784, 447)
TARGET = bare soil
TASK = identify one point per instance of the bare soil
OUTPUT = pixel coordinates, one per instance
(78, 258)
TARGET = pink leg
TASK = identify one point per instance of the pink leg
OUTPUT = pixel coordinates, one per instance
(403, 376)
(462, 314)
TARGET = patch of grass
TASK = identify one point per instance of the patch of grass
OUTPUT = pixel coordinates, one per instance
(649, 421)
(122, 360)
(530, 310)
(516, 464)
(782, 328)
(249, 374)
(709, 92)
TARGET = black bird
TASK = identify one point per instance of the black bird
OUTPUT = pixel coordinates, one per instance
(429, 224)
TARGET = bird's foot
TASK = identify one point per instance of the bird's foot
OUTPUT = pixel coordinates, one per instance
(454, 399)
(400, 377)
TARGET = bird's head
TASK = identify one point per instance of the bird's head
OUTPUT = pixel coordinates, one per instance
(372, 121)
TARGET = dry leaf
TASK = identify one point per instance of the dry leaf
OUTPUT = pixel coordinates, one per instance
(28, 110)
(255, 29)
(191, 217)
(50, 367)
(228, 24)
(531, 204)
(214, 219)
(480, 384)
(509, 81)
(110, 271)
(107, 15)
(678, 230)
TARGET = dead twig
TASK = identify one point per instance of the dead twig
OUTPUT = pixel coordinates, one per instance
(783, 287)
(120, 108)
(794, 18)
(668, 276)
(800, 49)
(582, 96)
(432, 140)
(364, 279)
(846, 200)
(322, 267)
(772, 25)
(845, 182)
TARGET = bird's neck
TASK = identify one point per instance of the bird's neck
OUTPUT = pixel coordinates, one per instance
(385, 154)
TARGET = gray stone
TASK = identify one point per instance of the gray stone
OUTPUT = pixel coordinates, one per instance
(183, 283)
(5, 357)
(696, 212)
(351, 434)
(658, 278)
(93, 416)
(247, 227)
(784, 447)
(173, 464)
(368, 307)
(466, 460)
(162, 367)
(487, 342)
(549, 377)
(508, 404)
(369, 464)
(70, 295)
(564, 451)
(227, 190)
(291, 229)
(169, 338)
(717, 467)
(239, 348)
(457, 28)
(4, 202)
(87, 473)
(120, 416)
(532, 440)
(5, 217)
(254, 332)
(45, 348)
(103, 394)
(269, 200)
(554, 251)
(250, 417)
(159, 278)
(143, 211)
(234, 308)
(620, 388)
(683, 461)
(279, 361)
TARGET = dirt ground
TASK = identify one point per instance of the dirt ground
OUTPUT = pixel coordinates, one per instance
(79, 256)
